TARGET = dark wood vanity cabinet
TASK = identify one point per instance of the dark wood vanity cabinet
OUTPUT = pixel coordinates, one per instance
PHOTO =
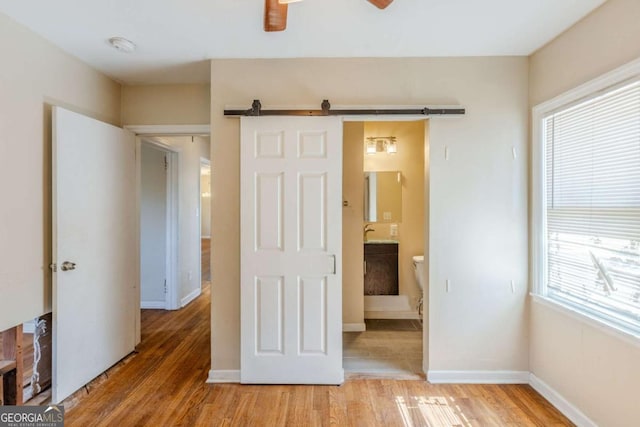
(380, 268)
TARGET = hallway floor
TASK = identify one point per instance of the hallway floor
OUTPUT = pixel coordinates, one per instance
(387, 349)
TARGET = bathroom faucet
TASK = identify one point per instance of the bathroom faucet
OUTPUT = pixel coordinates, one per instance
(367, 229)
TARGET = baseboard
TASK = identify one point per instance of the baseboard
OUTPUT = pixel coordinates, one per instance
(154, 305)
(478, 377)
(223, 376)
(562, 404)
(391, 315)
(387, 303)
(192, 295)
(354, 327)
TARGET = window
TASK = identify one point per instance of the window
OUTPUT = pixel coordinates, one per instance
(590, 205)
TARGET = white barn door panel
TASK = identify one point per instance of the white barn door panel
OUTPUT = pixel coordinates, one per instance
(291, 250)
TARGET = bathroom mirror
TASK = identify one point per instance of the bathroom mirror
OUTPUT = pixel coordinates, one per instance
(383, 196)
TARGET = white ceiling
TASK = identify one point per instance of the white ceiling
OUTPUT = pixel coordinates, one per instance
(176, 37)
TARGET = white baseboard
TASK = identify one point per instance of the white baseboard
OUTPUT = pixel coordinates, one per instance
(387, 303)
(192, 295)
(467, 377)
(391, 315)
(562, 404)
(223, 376)
(354, 327)
(153, 305)
(478, 377)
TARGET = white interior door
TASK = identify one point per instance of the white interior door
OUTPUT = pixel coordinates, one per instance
(153, 227)
(93, 247)
(291, 250)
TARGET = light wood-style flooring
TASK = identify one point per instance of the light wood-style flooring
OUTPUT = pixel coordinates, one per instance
(164, 385)
(387, 349)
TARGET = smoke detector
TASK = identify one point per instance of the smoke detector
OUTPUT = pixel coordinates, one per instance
(122, 44)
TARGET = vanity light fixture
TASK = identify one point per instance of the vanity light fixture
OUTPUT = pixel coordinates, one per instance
(371, 146)
(379, 144)
(392, 146)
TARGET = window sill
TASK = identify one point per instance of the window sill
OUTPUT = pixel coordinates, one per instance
(597, 323)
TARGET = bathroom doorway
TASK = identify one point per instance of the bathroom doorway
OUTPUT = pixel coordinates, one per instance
(384, 220)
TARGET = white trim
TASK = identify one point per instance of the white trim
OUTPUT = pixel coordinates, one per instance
(562, 404)
(354, 327)
(173, 229)
(514, 377)
(384, 314)
(538, 230)
(590, 88)
(153, 305)
(538, 206)
(173, 216)
(160, 143)
(192, 295)
(478, 377)
(169, 129)
(585, 318)
(223, 376)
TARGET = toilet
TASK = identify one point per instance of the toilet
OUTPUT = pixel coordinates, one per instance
(418, 261)
(418, 270)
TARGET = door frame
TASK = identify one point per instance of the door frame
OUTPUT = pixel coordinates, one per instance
(427, 175)
(149, 131)
(203, 162)
(172, 261)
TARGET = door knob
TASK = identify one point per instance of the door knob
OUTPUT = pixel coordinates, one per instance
(67, 265)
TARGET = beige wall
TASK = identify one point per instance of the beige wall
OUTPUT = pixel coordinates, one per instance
(186, 104)
(33, 76)
(352, 224)
(410, 161)
(479, 207)
(602, 41)
(597, 372)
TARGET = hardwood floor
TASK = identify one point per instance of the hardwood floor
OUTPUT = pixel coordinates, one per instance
(205, 248)
(164, 385)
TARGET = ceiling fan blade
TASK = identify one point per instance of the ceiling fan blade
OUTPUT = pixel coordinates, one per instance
(275, 16)
(380, 4)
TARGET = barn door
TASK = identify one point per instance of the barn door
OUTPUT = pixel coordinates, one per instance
(291, 247)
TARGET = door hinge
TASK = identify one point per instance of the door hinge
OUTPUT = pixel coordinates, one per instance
(165, 286)
(53, 267)
(166, 164)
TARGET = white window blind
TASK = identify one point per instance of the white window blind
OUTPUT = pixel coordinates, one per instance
(593, 206)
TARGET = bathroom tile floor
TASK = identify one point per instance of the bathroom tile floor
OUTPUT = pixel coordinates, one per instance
(387, 349)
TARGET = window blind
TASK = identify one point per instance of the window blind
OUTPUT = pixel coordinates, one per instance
(593, 205)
